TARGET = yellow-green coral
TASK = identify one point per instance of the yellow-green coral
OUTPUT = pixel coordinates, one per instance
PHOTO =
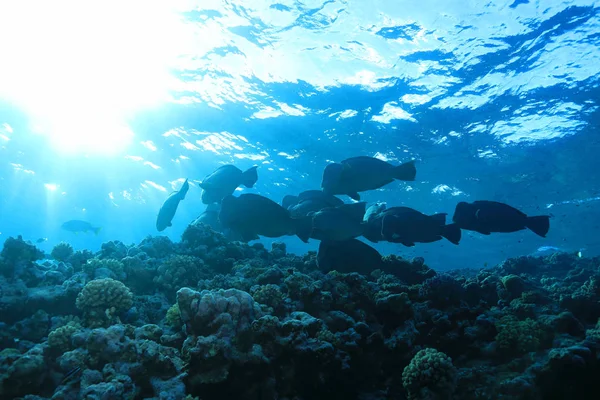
(179, 271)
(60, 338)
(518, 336)
(174, 316)
(102, 299)
(430, 374)
(93, 264)
(269, 295)
(62, 251)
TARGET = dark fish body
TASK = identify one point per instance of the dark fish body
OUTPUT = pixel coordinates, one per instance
(359, 174)
(253, 214)
(169, 207)
(339, 223)
(77, 226)
(348, 256)
(490, 216)
(408, 226)
(210, 217)
(313, 201)
(224, 181)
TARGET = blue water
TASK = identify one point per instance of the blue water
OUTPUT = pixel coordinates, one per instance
(104, 112)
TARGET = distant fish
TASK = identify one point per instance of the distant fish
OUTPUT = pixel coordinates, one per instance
(77, 226)
(408, 226)
(339, 223)
(348, 256)
(490, 216)
(359, 174)
(169, 208)
(41, 240)
(251, 215)
(224, 181)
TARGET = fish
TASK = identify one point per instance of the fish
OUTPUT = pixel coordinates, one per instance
(253, 215)
(169, 207)
(359, 174)
(224, 181)
(210, 217)
(76, 226)
(312, 201)
(41, 240)
(408, 226)
(348, 256)
(485, 217)
(338, 223)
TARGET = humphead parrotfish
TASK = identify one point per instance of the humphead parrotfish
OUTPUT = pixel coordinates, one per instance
(251, 215)
(359, 174)
(169, 208)
(339, 223)
(224, 181)
(490, 216)
(408, 226)
(76, 226)
(348, 256)
(308, 202)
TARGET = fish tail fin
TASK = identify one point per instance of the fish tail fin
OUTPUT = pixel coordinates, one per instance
(97, 230)
(249, 177)
(406, 171)
(439, 218)
(184, 189)
(540, 225)
(452, 232)
(304, 228)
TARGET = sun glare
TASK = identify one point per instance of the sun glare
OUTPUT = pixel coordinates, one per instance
(82, 69)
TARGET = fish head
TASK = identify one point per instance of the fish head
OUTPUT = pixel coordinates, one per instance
(228, 209)
(463, 212)
(331, 177)
(289, 201)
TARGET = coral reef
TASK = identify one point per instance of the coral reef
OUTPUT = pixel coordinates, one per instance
(207, 318)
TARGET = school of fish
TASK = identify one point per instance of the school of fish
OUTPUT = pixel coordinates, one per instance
(320, 215)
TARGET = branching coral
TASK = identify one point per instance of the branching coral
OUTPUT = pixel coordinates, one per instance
(518, 337)
(95, 264)
(429, 375)
(62, 251)
(102, 300)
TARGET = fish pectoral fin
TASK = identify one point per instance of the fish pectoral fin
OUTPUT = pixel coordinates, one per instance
(483, 232)
(408, 244)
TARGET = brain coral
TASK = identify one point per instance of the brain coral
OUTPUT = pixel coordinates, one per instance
(429, 375)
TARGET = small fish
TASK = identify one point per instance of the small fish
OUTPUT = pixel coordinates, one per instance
(41, 240)
(70, 375)
(77, 226)
(339, 223)
(169, 207)
(348, 256)
(359, 174)
(491, 216)
(224, 181)
(408, 226)
(251, 215)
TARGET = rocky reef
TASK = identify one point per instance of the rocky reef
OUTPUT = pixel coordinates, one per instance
(207, 318)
